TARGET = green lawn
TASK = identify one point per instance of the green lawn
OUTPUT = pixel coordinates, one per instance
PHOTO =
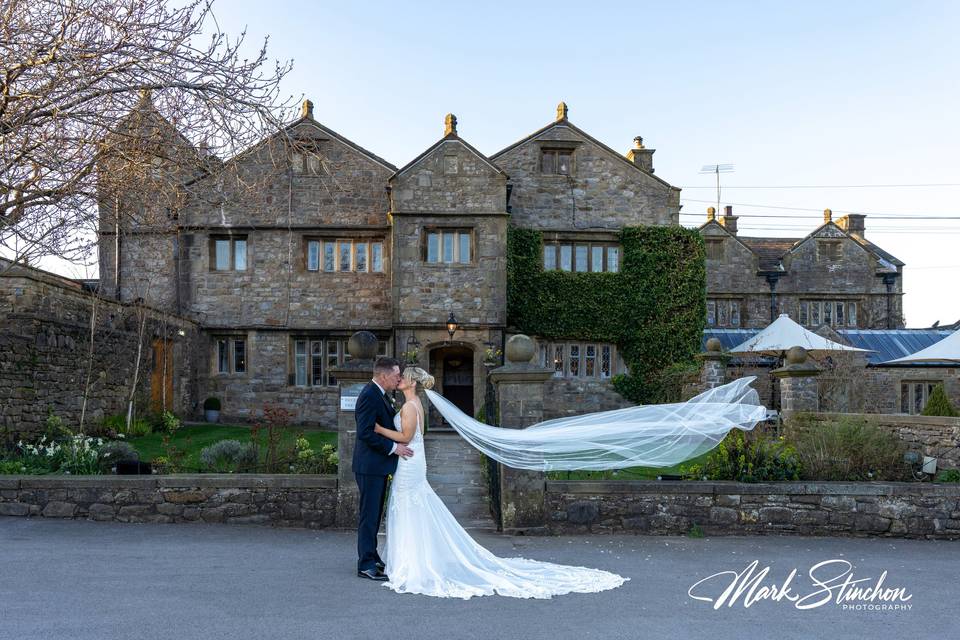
(632, 473)
(193, 438)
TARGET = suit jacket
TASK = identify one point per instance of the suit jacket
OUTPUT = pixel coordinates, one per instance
(371, 454)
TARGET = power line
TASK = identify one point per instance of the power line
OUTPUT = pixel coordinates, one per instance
(873, 217)
(831, 186)
(872, 214)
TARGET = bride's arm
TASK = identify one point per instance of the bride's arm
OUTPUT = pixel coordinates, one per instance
(408, 422)
(393, 434)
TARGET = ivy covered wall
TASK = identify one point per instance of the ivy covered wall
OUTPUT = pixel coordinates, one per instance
(653, 309)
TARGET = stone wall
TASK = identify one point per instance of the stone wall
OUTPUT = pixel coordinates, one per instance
(282, 500)
(910, 510)
(575, 396)
(45, 347)
(932, 436)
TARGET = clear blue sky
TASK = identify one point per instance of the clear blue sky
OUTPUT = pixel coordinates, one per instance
(812, 93)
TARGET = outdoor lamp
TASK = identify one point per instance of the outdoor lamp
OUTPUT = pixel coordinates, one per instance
(452, 325)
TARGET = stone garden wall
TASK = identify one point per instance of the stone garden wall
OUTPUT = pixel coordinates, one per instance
(913, 510)
(45, 349)
(281, 500)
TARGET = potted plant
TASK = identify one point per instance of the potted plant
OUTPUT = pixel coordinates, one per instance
(491, 357)
(211, 409)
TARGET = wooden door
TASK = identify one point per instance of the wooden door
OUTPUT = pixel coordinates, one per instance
(161, 378)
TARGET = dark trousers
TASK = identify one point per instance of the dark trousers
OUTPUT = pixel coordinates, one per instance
(373, 489)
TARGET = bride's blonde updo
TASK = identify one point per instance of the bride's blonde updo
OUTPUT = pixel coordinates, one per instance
(416, 374)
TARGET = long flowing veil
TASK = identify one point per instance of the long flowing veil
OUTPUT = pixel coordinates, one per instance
(654, 435)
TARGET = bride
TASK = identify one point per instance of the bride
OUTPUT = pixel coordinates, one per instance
(428, 552)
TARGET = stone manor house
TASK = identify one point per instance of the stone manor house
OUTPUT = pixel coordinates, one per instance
(337, 239)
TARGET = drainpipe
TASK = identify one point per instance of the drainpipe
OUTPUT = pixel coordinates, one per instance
(889, 279)
(772, 279)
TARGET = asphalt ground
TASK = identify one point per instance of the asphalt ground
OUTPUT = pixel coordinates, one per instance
(80, 579)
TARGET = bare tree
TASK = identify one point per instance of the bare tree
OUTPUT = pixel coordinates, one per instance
(88, 84)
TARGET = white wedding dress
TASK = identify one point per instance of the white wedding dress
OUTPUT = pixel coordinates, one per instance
(428, 552)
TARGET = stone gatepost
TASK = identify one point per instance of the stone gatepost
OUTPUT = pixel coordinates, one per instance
(351, 377)
(714, 370)
(798, 382)
(520, 394)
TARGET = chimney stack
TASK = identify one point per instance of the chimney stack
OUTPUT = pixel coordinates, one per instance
(641, 156)
(853, 224)
(711, 214)
(728, 220)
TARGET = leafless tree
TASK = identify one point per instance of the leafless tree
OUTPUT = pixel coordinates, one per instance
(89, 84)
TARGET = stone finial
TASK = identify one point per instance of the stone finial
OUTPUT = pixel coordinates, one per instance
(450, 125)
(562, 111)
(827, 216)
(711, 214)
(796, 355)
(362, 345)
(306, 110)
(520, 349)
(638, 143)
(713, 345)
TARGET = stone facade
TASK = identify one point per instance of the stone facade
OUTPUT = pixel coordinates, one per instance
(902, 510)
(752, 280)
(46, 355)
(311, 185)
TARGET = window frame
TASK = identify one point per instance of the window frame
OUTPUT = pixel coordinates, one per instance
(554, 153)
(813, 312)
(374, 245)
(318, 377)
(457, 235)
(232, 241)
(230, 341)
(561, 247)
(589, 355)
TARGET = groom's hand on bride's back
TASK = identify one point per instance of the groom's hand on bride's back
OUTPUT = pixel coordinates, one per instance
(404, 451)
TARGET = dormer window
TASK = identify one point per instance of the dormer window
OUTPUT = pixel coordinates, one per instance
(556, 162)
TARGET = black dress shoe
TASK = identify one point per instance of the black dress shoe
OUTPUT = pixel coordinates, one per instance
(372, 574)
(380, 566)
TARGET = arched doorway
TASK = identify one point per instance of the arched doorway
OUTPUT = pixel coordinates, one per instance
(452, 366)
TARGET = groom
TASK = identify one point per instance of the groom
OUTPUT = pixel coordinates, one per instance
(373, 460)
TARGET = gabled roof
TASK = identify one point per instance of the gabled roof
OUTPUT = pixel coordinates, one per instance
(308, 120)
(447, 138)
(771, 251)
(564, 122)
(741, 241)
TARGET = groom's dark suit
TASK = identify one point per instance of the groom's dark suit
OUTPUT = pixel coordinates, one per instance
(372, 462)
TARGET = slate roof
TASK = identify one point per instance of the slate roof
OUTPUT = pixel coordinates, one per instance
(885, 344)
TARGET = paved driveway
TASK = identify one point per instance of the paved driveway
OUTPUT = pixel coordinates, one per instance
(79, 580)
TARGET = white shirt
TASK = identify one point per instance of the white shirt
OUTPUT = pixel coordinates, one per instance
(384, 393)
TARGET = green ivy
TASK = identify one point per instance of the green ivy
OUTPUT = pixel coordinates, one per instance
(654, 309)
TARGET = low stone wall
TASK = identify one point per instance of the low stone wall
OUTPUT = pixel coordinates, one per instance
(282, 500)
(909, 510)
(930, 435)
